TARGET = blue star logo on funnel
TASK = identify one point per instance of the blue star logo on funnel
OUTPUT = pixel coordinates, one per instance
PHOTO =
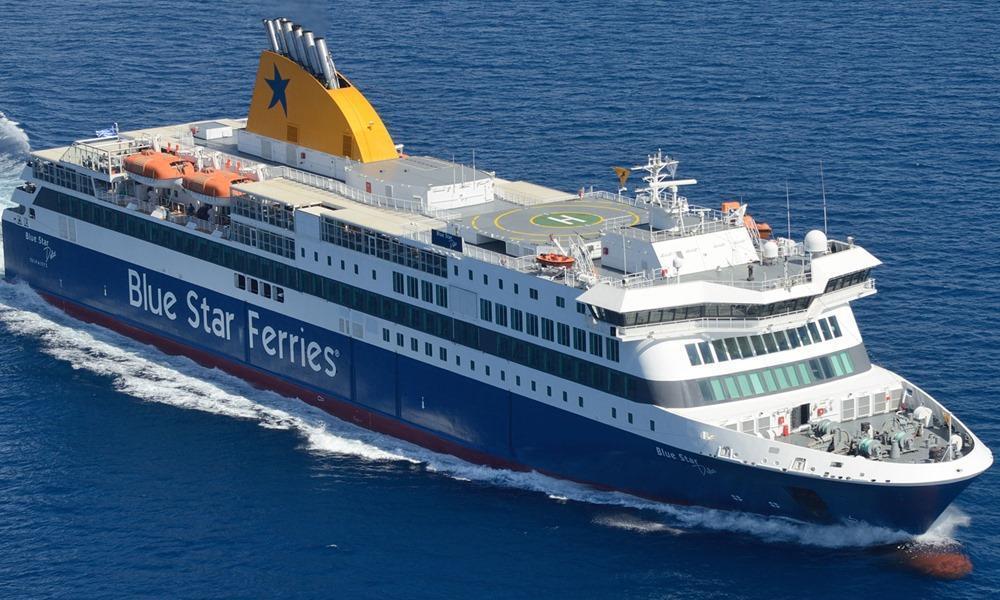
(278, 86)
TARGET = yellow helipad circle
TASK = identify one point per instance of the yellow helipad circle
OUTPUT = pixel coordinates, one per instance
(539, 222)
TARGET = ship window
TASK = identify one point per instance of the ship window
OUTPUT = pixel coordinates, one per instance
(412, 287)
(486, 279)
(254, 286)
(414, 345)
(458, 360)
(827, 334)
(793, 338)
(343, 265)
(470, 274)
(581, 308)
(779, 374)
(848, 365)
(302, 251)
(532, 328)
(793, 378)
(804, 335)
(279, 294)
(717, 393)
(630, 418)
(560, 302)
(548, 329)
(563, 330)
(768, 380)
(472, 365)
(758, 388)
(825, 364)
(596, 344)
(385, 334)
(693, 354)
(731, 387)
(516, 319)
(744, 384)
(487, 368)
(769, 342)
(579, 339)
(374, 275)
(565, 396)
(533, 293)
(758, 345)
(579, 400)
(720, 350)
(441, 294)
(485, 309)
(838, 370)
(733, 348)
(804, 374)
(533, 385)
(835, 326)
(426, 291)
(745, 350)
(266, 292)
(706, 353)
(781, 339)
(614, 353)
(652, 425)
(501, 314)
(241, 281)
(815, 332)
(428, 349)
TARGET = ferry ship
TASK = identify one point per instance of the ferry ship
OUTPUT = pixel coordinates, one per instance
(631, 342)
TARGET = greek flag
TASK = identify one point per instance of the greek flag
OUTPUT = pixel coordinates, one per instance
(109, 132)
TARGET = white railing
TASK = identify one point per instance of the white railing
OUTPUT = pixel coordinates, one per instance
(341, 188)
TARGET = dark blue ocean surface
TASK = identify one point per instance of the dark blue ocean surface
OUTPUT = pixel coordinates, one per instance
(124, 472)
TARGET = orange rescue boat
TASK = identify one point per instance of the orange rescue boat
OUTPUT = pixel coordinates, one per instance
(556, 260)
(213, 186)
(157, 169)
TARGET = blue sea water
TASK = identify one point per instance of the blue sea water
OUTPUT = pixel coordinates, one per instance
(127, 473)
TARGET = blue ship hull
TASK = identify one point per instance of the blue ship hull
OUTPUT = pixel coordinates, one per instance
(433, 407)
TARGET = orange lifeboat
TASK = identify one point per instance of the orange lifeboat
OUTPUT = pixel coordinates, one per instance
(763, 229)
(157, 169)
(556, 260)
(212, 186)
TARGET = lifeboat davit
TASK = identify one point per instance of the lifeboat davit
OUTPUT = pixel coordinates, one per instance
(556, 260)
(157, 169)
(212, 186)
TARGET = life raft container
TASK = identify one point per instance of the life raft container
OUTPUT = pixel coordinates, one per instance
(556, 260)
(157, 169)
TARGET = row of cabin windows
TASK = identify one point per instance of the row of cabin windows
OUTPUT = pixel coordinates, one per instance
(766, 343)
(532, 292)
(261, 288)
(380, 245)
(267, 211)
(63, 176)
(442, 355)
(777, 379)
(518, 320)
(703, 311)
(264, 240)
(400, 311)
(419, 288)
(847, 280)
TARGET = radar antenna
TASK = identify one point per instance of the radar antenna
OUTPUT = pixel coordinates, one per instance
(657, 182)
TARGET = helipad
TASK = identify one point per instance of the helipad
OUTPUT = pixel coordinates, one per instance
(536, 223)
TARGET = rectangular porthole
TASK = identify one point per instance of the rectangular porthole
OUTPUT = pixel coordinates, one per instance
(770, 343)
(804, 335)
(758, 345)
(827, 334)
(835, 326)
(744, 345)
(733, 348)
(814, 331)
(706, 353)
(793, 338)
(779, 336)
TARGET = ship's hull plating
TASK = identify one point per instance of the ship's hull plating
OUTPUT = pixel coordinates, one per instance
(391, 392)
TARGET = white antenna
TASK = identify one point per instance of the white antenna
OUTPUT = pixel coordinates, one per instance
(822, 183)
(473, 161)
(788, 210)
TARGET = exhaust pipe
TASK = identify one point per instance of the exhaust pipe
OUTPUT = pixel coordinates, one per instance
(300, 50)
(326, 63)
(286, 33)
(272, 36)
(309, 42)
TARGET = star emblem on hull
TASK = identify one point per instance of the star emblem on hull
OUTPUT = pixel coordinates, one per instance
(278, 87)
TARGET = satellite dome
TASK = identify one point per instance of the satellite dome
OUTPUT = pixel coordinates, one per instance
(815, 242)
(770, 250)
